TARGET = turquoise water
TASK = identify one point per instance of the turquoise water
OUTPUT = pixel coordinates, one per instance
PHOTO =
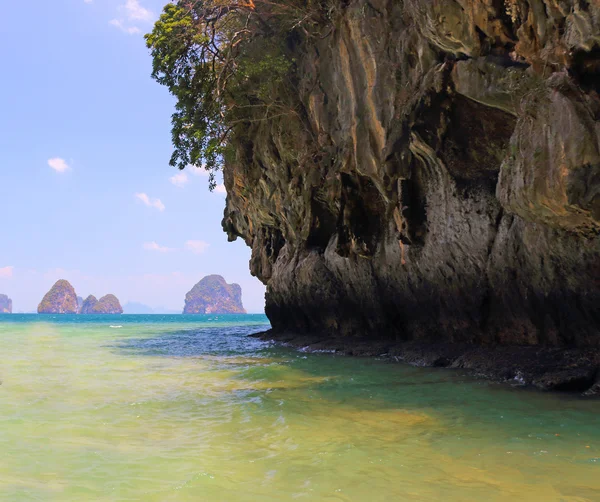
(188, 408)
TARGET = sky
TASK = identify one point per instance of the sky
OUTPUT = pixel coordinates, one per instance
(86, 191)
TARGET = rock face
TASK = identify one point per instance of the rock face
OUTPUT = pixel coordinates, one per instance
(79, 303)
(212, 295)
(61, 299)
(5, 305)
(439, 180)
(88, 305)
(108, 304)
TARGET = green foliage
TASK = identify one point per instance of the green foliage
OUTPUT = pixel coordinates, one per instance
(224, 61)
(179, 64)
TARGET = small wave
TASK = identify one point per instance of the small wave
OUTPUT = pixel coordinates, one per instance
(114, 327)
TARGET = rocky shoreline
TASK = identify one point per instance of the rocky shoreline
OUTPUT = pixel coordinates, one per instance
(432, 174)
(442, 178)
(545, 368)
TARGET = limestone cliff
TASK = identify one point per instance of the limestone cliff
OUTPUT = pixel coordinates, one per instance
(61, 299)
(108, 304)
(5, 305)
(212, 295)
(439, 179)
(88, 305)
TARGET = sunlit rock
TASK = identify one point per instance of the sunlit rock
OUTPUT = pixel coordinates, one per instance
(212, 295)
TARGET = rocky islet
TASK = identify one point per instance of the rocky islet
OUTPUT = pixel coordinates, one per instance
(212, 295)
(5, 304)
(62, 299)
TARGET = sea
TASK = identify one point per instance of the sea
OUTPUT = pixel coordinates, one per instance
(190, 408)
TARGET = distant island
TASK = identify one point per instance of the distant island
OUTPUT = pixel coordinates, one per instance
(5, 305)
(108, 304)
(88, 304)
(212, 295)
(62, 299)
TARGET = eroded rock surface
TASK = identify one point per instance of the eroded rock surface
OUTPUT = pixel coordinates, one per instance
(212, 295)
(108, 304)
(87, 307)
(439, 179)
(61, 299)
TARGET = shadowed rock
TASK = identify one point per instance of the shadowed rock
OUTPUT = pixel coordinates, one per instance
(5, 305)
(441, 182)
(88, 305)
(108, 304)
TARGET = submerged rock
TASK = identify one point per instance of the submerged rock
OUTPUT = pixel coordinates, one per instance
(212, 295)
(88, 305)
(108, 304)
(61, 299)
(5, 305)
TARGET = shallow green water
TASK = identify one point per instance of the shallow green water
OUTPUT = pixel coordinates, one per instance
(174, 408)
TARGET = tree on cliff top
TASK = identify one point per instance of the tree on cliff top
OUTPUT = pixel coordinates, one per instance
(224, 61)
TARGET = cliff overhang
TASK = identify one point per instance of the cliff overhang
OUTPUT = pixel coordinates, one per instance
(439, 180)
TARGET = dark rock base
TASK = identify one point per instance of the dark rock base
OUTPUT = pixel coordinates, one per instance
(545, 368)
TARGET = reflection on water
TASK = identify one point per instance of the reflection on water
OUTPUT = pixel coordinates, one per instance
(189, 409)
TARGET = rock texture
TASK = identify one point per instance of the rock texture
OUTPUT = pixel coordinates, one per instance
(439, 179)
(79, 303)
(212, 295)
(87, 307)
(61, 299)
(5, 305)
(108, 304)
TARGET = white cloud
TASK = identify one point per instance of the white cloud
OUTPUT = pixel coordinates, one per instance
(196, 247)
(135, 11)
(6, 272)
(155, 203)
(58, 164)
(220, 189)
(179, 180)
(130, 30)
(88, 1)
(132, 12)
(153, 246)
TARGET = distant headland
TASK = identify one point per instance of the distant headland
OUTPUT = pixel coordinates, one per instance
(212, 295)
(62, 299)
(5, 305)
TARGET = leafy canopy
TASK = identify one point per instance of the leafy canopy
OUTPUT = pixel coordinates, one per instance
(223, 60)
